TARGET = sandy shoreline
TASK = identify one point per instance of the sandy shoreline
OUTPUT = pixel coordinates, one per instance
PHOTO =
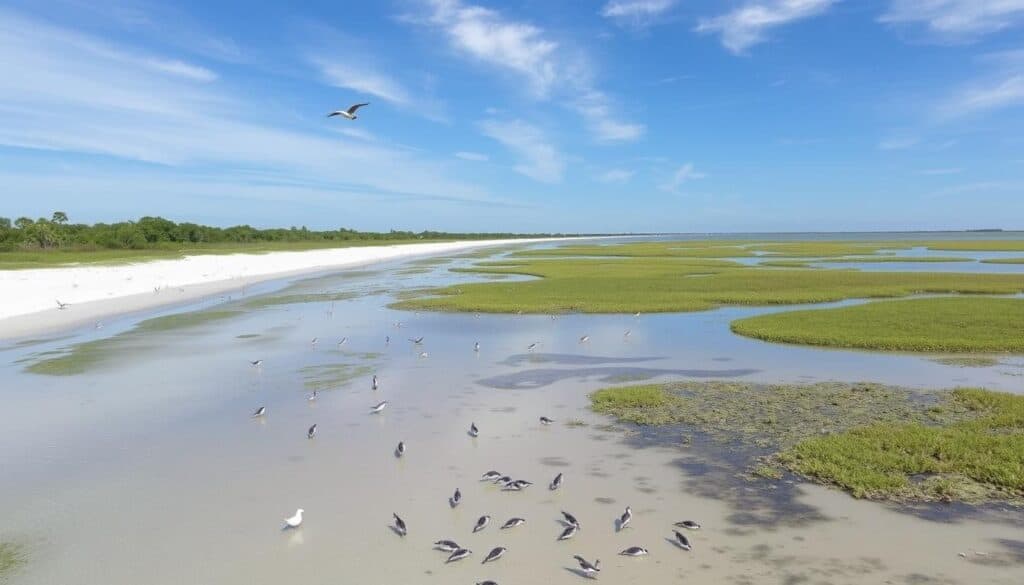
(28, 297)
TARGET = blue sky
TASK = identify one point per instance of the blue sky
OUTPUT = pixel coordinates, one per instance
(540, 115)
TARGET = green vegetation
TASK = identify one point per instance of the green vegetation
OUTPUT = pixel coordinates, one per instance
(659, 284)
(970, 361)
(1003, 261)
(12, 557)
(873, 441)
(975, 245)
(960, 324)
(28, 243)
(83, 357)
(291, 299)
(907, 259)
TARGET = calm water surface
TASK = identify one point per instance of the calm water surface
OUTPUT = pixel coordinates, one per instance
(147, 468)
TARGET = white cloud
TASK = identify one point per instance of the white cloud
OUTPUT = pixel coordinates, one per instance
(635, 12)
(940, 172)
(984, 96)
(362, 80)
(527, 51)
(956, 18)
(749, 24)
(538, 158)
(182, 69)
(683, 174)
(615, 176)
(473, 156)
(64, 91)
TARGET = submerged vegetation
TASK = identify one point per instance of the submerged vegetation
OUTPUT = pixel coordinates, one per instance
(873, 441)
(12, 557)
(951, 324)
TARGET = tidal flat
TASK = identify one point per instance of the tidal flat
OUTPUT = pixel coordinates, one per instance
(155, 456)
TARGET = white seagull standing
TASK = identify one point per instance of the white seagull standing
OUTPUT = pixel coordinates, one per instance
(295, 521)
(350, 113)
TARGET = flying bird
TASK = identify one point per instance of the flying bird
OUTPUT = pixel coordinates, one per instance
(295, 521)
(447, 546)
(586, 567)
(626, 517)
(495, 554)
(682, 541)
(459, 554)
(399, 526)
(260, 412)
(350, 113)
(556, 483)
(61, 306)
(513, 522)
(481, 523)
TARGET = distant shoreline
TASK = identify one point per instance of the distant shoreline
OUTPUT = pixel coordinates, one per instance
(28, 298)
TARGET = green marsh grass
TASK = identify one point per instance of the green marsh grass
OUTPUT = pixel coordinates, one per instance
(948, 324)
(1003, 261)
(12, 557)
(871, 440)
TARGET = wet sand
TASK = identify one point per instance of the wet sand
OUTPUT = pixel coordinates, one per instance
(148, 468)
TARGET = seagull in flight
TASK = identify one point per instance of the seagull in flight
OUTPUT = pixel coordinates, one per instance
(350, 113)
(61, 306)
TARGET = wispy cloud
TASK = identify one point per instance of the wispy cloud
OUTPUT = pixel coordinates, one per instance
(984, 96)
(941, 171)
(529, 52)
(538, 158)
(472, 156)
(959, 19)
(636, 13)
(682, 175)
(615, 176)
(180, 68)
(749, 24)
(64, 91)
(366, 81)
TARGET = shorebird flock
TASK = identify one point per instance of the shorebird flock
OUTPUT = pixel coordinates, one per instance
(571, 525)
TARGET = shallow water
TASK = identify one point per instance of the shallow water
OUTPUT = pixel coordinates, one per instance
(147, 467)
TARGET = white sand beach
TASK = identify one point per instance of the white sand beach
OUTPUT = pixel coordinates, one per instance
(28, 298)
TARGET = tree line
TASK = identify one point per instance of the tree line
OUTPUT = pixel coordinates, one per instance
(153, 232)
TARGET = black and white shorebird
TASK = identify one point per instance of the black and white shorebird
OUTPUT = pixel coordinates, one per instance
(400, 449)
(256, 363)
(476, 346)
(377, 408)
(342, 341)
(61, 306)
(295, 521)
(634, 551)
(311, 432)
(473, 430)
(487, 582)
(387, 340)
(588, 569)
(481, 523)
(495, 554)
(399, 526)
(625, 519)
(688, 524)
(584, 339)
(569, 532)
(314, 341)
(570, 520)
(416, 340)
(459, 554)
(260, 412)
(546, 421)
(555, 483)
(447, 546)
(312, 397)
(424, 355)
(681, 540)
(490, 476)
(513, 522)
(503, 480)
(532, 346)
(456, 498)
(350, 113)
(374, 384)
(628, 333)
